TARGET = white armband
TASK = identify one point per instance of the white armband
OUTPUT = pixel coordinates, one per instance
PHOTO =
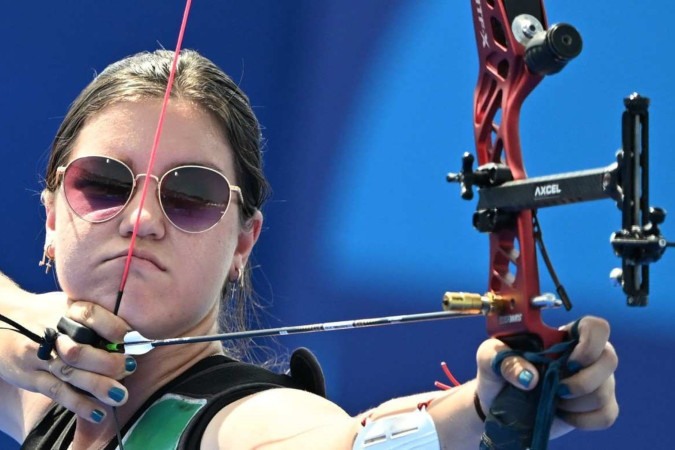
(411, 430)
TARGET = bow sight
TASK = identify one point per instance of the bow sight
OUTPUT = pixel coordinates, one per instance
(516, 50)
(639, 242)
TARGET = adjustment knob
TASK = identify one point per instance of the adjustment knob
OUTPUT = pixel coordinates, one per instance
(657, 215)
(616, 275)
(465, 177)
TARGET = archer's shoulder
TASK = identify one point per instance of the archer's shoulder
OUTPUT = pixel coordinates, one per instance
(287, 418)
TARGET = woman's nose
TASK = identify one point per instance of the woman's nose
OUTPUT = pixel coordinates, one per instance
(149, 215)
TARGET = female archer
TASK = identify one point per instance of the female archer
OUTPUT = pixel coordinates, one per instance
(195, 233)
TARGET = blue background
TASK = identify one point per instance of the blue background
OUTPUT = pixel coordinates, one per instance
(366, 106)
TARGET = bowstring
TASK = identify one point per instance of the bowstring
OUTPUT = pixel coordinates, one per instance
(153, 153)
(146, 184)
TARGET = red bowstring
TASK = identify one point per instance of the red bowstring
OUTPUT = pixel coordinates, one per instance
(450, 376)
(153, 152)
(146, 183)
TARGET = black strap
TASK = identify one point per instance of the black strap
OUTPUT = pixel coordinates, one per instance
(522, 419)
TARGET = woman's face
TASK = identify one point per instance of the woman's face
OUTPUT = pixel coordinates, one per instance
(175, 279)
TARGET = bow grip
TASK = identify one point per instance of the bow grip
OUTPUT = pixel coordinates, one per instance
(509, 422)
(520, 419)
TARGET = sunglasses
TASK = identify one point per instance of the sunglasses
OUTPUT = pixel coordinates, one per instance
(192, 198)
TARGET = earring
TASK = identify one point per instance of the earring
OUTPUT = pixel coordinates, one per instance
(47, 258)
(236, 284)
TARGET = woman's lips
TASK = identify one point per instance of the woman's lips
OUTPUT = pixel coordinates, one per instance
(140, 256)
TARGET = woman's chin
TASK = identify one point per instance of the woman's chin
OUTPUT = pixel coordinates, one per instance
(159, 326)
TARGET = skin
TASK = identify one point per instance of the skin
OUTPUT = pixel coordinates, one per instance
(186, 270)
(174, 290)
(174, 285)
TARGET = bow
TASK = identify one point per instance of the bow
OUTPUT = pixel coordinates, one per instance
(503, 85)
(516, 50)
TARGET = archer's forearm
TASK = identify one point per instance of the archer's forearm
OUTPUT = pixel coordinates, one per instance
(453, 412)
(456, 419)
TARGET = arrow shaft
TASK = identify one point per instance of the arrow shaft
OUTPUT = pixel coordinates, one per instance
(311, 328)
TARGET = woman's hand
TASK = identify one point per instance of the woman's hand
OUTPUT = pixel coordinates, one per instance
(587, 399)
(75, 369)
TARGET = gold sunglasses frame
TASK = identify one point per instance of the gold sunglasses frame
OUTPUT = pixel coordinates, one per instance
(61, 171)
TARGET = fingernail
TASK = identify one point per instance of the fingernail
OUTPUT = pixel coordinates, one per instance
(130, 364)
(116, 394)
(573, 367)
(563, 390)
(97, 415)
(525, 378)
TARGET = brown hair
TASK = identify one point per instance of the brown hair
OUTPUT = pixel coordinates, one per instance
(200, 81)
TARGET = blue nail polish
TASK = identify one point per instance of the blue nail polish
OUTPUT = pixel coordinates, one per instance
(563, 390)
(525, 378)
(97, 415)
(116, 394)
(130, 364)
(573, 367)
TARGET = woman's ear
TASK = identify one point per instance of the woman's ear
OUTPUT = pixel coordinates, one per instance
(248, 236)
(47, 199)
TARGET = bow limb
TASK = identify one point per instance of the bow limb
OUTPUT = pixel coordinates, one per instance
(515, 51)
(503, 84)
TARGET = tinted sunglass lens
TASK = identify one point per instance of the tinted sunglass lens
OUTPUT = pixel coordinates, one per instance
(194, 198)
(97, 188)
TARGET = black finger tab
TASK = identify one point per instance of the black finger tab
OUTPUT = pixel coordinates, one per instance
(81, 334)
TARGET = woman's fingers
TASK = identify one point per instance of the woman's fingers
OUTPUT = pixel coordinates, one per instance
(595, 400)
(587, 397)
(80, 375)
(514, 369)
(81, 378)
(103, 322)
(591, 378)
(85, 357)
(597, 419)
(77, 389)
(64, 394)
(593, 335)
(106, 390)
(519, 372)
